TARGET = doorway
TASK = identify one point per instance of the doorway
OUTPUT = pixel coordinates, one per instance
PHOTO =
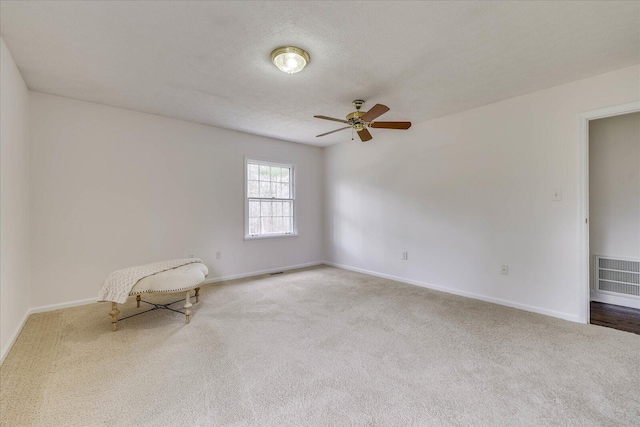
(611, 216)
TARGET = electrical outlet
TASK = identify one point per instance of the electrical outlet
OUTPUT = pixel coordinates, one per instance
(504, 269)
(405, 256)
(219, 255)
(191, 256)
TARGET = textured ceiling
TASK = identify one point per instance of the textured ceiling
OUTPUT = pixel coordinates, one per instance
(209, 62)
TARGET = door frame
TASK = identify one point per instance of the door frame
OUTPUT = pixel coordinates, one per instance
(584, 293)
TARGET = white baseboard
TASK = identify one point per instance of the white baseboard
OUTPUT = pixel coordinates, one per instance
(615, 299)
(51, 307)
(14, 337)
(525, 307)
(261, 272)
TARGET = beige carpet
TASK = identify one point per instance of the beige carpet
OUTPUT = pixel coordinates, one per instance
(319, 346)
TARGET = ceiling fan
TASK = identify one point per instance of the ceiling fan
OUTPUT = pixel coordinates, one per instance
(361, 120)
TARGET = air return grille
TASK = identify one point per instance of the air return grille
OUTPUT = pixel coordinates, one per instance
(618, 276)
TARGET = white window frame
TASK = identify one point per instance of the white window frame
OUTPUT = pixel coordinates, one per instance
(292, 183)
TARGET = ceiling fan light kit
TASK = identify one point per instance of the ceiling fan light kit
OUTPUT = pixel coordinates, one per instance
(361, 120)
(290, 59)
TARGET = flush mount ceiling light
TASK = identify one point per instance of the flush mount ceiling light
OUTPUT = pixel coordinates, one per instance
(290, 59)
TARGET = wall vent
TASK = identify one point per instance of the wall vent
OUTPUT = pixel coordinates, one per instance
(618, 276)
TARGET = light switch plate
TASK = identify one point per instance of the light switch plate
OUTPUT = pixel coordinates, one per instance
(557, 195)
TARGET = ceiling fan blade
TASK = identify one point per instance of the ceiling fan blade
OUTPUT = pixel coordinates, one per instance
(331, 118)
(337, 130)
(375, 112)
(391, 125)
(364, 135)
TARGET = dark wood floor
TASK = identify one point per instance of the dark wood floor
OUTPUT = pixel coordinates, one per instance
(616, 317)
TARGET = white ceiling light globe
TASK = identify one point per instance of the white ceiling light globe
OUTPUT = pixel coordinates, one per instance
(290, 59)
(292, 62)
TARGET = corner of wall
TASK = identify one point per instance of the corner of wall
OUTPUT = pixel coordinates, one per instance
(15, 250)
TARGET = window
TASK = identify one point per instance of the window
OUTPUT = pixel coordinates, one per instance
(270, 200)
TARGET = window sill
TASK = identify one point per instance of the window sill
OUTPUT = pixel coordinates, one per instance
(270, 236)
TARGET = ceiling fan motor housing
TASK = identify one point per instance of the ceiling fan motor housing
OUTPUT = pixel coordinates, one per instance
(354, 120)
(355, 116)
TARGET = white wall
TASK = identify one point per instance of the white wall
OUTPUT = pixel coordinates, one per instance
(14, 200)
(113, 188)
(467, 193)
(614, 186)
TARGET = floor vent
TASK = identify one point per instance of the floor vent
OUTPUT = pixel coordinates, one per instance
(618, 276)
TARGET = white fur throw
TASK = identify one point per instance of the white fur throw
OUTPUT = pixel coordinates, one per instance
(118, 284)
